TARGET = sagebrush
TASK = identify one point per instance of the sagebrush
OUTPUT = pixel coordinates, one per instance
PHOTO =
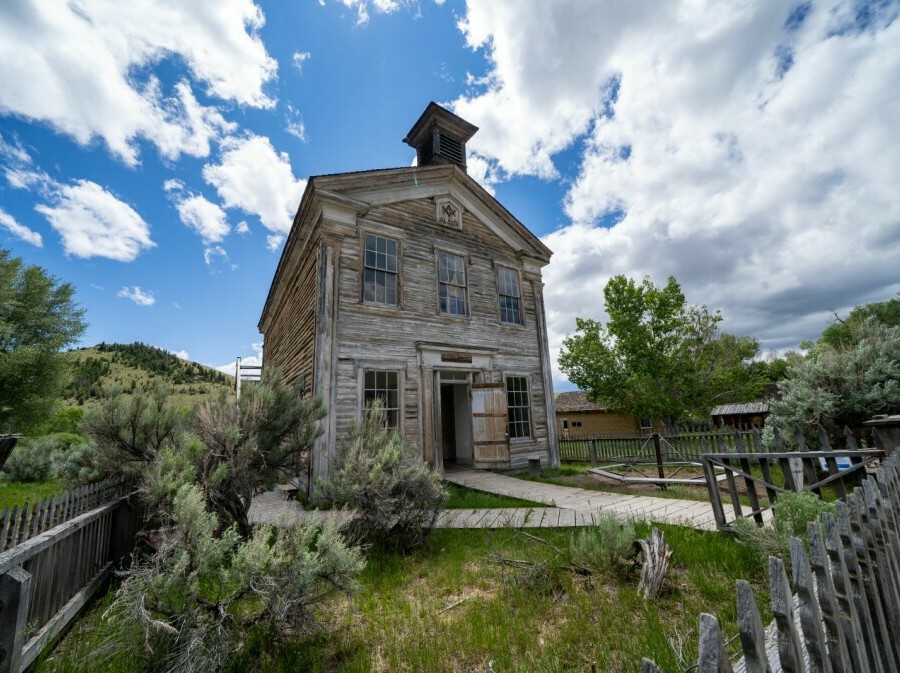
(393, 496)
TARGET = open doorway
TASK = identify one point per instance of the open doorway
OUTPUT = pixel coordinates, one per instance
(456, 419)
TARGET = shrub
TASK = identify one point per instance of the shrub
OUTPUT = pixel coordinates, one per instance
(792, 512)
(195, 600)
(29, 461)
(82, 464)
(603, 546)
(394, 498)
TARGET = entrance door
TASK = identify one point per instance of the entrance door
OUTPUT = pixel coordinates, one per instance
(489, 423)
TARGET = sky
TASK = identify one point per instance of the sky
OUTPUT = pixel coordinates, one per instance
(153, 153)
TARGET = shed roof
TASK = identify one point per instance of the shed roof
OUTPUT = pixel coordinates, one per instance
(576, 401)
(740, 409)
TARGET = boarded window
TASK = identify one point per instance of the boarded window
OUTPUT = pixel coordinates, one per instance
(518, 406)
(384, 386)
(380, 278)
(451, 283)
(508, 285)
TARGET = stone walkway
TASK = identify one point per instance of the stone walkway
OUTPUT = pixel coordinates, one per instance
(566, 506)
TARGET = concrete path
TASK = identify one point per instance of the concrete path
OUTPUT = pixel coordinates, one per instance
(566, 506)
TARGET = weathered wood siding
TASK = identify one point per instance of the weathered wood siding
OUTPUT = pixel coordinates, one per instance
(289, 341)
(385, 337)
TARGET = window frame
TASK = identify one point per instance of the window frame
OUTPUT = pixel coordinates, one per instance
(364, 234)
(378, 368)
(529, 406)
(438, 251)
(506, 267)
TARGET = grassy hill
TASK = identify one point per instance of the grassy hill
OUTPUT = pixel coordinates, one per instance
(132, 365)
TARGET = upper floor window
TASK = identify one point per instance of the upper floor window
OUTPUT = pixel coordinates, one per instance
(451, 283)
(518, 404)
(380, 273)
(383, 386)
(508, 286)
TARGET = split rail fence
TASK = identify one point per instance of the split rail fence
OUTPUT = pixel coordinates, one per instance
(54, 556)
(839, 611)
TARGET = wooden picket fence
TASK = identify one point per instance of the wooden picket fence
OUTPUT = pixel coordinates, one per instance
(19, 524)
(58, 553)
(839, 612)
(682, 446)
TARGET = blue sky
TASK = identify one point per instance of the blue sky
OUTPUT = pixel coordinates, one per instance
(153, 153)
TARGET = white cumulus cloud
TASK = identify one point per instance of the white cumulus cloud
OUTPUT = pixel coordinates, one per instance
(95, 223)
(20, 231)
(198, 213)
(255, 178)
(78, 67)
(137, 295)
(299, 58)
(748, 149)
(182, 355)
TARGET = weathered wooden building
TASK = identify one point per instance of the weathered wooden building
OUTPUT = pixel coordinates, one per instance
(577, 416)
(414, 285)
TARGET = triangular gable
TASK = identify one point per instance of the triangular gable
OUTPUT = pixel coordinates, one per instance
(384, 187)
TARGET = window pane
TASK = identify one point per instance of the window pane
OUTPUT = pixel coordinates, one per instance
(384, 387)
(519, 407)
(380, 277)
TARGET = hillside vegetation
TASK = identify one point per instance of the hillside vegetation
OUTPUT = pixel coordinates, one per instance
(132, 365)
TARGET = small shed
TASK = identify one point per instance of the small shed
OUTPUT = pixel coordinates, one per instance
(740, 415)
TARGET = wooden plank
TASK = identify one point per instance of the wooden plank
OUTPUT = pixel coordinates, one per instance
(62, 618)
(21, 553)
(837, 627)
(713, 657)
(811, 621)
(750, 631)
(790, 652)
(15, 597)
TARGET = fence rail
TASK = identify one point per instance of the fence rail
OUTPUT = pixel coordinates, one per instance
(53, 570)
(598, 449)
(19, 524)
(839, 611)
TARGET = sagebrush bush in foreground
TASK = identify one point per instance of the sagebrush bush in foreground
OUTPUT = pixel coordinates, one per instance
(395, 498)
(604, 545)
(196, 599)
(791, 514)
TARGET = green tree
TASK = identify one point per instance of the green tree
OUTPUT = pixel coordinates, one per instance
(842, 332)
(843, 384)
(38, 318)
(657, 357)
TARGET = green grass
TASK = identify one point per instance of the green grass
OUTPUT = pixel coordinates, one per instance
(556, 476)
(460, 497)
(447, 607)
(18, 493)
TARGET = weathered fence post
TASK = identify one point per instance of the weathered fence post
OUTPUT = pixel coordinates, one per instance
(713, 657)
(592, 451)
(15, 594)
(790, 652)
(750, 629)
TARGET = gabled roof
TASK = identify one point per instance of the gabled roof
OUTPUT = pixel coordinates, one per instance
(576, 401)
(361, 190)
(740, 409)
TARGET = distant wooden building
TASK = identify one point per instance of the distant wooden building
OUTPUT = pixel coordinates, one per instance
(577, 416)
(416, 286)
(740, 415)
